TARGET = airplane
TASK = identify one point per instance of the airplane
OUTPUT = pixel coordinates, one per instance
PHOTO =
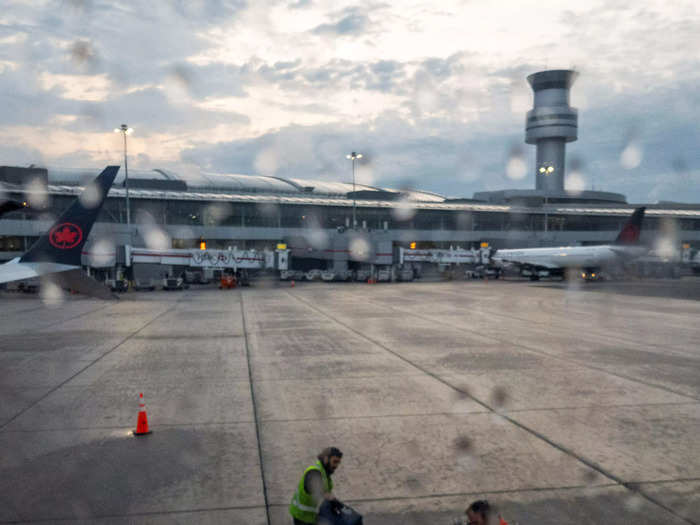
(541, 262)
(10, 205)
(56, 254)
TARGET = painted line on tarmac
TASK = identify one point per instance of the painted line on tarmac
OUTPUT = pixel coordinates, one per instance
(92, 311)
(663, 481)
(124, 427)
(258, 434)
(587, 462)
(6, 423)
(138, 514)
(27, 310)
(480, 494)
(582, 407)
(348, 377)
(383, 416)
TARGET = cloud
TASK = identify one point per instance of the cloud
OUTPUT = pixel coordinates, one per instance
(462, 157)
(300, 4)
(434, 97)
(352, 22)
(398, 155)
(14, 154)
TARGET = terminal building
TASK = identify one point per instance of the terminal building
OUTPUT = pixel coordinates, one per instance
(170, 210)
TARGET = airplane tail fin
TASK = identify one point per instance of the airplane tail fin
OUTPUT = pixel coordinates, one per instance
(63, 243)
(632, 228)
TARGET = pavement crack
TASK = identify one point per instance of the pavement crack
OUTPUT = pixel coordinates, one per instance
(258, 434)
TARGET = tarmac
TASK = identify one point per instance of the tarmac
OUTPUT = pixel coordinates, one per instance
(559, 403)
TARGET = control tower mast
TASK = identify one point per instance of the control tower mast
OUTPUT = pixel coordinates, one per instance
(550, 124)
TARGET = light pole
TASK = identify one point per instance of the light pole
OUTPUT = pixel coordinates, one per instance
(354, 156)
(546, 170)
(126, 130)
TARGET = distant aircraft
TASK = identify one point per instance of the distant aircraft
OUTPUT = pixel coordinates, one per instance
(10, 205)
(542, 262)
(56, 254)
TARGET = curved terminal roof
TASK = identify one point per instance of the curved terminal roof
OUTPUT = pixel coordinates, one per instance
(656, 210)
(331, 188)
(202, 186)
(197, 180)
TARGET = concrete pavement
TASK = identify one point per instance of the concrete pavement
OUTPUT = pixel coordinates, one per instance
(560, 404)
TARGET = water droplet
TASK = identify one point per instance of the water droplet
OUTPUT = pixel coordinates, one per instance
(360, 249)
(499, 396)
(101, 253)
(36, 194)
(516, 168)
(462, 392)
(318, 238)
(82, 53)
(91, 196)
(51, 294)
(463, 444)
(589, 477)
(634, 502)
(631, 156)
(403, 211)
(266, 162)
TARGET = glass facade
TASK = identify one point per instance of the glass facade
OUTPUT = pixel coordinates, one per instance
(201, 213)
(270, 215)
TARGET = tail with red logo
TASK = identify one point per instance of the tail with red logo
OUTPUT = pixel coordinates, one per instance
(632, 228)
(63, 243)
(55, 257)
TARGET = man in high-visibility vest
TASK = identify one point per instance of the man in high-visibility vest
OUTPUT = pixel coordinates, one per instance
(315, 487)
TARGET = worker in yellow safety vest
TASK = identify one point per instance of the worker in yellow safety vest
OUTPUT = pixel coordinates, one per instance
(315, 487)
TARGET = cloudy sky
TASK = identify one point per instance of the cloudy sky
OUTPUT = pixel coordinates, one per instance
(433, 93)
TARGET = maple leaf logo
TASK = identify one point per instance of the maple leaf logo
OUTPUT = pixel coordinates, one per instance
(65, 236)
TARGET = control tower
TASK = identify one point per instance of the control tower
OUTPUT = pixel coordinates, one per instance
(550, 124)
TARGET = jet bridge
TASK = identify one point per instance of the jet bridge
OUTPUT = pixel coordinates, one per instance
(446, 257)
(233, 258)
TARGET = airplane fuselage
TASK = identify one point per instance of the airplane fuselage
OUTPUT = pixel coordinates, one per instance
(568, 257)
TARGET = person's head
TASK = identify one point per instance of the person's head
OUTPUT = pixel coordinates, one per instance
(330, 458)
(478, 513)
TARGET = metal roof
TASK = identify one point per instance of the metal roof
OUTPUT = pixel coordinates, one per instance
(265, 189)
(198, 181)
(313, 200)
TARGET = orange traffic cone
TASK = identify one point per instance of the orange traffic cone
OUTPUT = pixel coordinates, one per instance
(142, 422)
(292, 284)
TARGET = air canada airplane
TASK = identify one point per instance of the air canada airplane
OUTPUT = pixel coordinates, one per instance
(589, 260)
(56, 254)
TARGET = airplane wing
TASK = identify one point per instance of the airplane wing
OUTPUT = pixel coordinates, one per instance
(536, 263)
(629, 251)
(15, 270)
(12, 271)
(529, 262)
